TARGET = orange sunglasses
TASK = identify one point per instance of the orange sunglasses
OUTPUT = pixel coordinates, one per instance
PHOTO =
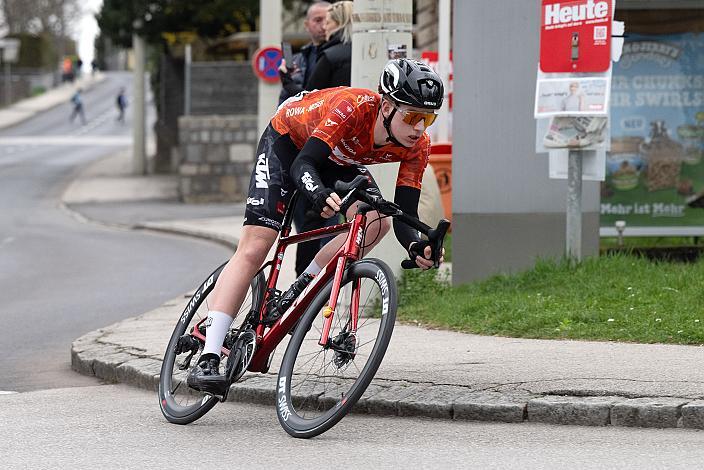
(414, 117)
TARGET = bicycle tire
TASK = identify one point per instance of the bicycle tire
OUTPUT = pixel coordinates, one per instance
(180, 404)
(308, 401)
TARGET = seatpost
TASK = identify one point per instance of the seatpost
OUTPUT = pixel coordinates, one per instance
(288, 217)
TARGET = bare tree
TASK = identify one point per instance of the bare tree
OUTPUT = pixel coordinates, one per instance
(41, 16)
(18, 15)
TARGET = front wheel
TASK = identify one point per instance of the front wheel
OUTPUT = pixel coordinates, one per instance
(318, 385)
(179, 403)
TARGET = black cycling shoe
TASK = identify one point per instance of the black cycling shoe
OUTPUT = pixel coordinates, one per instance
(294, 291)
(206, 377)
(278, 304)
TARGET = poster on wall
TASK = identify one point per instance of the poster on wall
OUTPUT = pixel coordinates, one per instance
(657, 135)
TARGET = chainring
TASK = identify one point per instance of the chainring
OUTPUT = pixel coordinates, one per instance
(241, 355)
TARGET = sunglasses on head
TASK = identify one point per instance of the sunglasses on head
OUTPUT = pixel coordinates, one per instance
(414, 117)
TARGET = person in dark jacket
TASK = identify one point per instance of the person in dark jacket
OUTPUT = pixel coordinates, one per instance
(333, 68)
(334, 65)
(294, 77)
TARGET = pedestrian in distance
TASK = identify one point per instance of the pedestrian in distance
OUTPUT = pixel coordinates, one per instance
(77, 102)
(294, 76)
(121, 103)
(313, 140)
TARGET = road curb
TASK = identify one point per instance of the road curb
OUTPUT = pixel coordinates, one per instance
(93, 355)
(164, 227)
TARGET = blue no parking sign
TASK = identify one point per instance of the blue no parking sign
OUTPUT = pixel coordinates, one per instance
(266, 63)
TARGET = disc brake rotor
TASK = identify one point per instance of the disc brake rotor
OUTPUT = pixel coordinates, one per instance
(344, 345)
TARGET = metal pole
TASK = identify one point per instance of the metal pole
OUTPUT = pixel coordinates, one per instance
(574, 206)
(269, 35)
(138, 121)
(8, 84)
(187, 82)
(444, 16)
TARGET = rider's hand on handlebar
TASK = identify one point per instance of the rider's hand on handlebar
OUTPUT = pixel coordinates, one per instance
(330, 205)
(426, 260)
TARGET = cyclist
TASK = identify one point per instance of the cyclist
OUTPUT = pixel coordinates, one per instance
(314, 139)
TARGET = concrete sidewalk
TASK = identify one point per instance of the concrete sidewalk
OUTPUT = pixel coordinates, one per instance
(431, 373)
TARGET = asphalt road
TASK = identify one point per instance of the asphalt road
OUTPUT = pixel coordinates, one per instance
(121, 427)
(61, 278)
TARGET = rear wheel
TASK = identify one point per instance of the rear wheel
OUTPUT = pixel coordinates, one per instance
(179, 403)
(318, 385)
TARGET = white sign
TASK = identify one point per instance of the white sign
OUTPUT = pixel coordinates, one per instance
(593, 164)
(571, 96)
(10, 49)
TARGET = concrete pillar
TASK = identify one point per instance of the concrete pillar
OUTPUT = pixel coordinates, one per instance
(139, 158)
(269, 35)
(382, 28)
(444, 17)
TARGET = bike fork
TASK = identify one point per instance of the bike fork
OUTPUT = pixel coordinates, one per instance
(329, 311)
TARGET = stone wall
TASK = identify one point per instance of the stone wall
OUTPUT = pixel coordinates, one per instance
(425, 31)
(223, 88)
(216, 155)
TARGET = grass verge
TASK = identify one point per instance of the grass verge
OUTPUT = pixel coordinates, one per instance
(619, 297)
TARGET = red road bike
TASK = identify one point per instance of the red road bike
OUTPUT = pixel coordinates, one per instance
(342, 323)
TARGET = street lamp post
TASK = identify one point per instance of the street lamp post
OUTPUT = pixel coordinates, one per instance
(139, 164)
(10, 49)
(8, 82)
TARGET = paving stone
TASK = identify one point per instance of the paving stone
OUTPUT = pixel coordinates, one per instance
(82, 364)
(84, 357)
(693, 414)
(362, 404)
(491, 406)
(583, 411)
(260, 389)
(87, 340)
(386, 401)
(647, 412)
(435, 401)
(105, 366)
(140, 372)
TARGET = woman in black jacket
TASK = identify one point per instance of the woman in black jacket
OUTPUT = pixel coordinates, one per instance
(334, 65)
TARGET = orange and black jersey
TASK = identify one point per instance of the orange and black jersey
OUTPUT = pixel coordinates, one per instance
(344, 119)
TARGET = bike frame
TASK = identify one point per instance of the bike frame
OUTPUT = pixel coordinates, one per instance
(268, 340)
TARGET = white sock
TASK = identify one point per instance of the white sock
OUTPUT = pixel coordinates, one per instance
(313, 269)
(216, 327)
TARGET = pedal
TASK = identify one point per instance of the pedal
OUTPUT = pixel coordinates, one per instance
(221, 396)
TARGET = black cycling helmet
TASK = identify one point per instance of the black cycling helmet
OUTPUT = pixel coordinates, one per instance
(410, 82)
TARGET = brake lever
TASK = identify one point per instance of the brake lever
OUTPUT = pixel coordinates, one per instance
(436, 237)
(347, 197)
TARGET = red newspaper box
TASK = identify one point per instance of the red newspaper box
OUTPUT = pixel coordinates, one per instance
(575, 36)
